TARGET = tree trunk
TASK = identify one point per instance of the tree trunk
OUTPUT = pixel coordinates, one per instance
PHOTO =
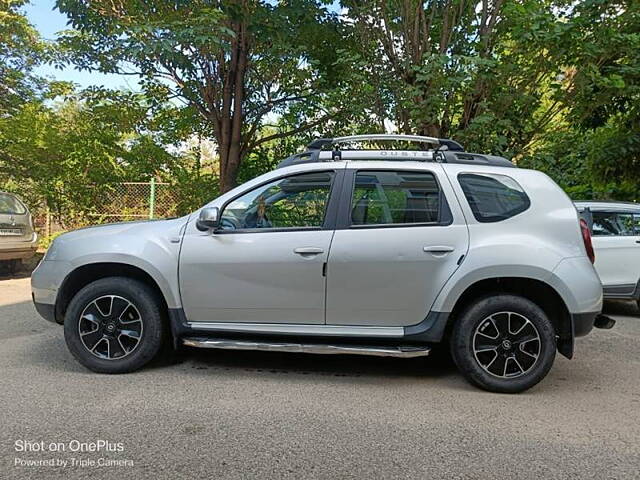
(231, 141)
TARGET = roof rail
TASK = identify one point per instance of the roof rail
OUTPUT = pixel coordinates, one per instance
(453, 153)
(318, 143)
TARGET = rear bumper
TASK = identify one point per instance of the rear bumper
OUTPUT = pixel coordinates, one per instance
(18, 253)
(19, 250)
(583, 323)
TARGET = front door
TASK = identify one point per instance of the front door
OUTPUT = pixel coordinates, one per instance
(399, 245)
(265, 264)
(616, 241)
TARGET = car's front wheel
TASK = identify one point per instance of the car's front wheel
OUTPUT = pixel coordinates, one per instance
(114, 325)
(503, 343)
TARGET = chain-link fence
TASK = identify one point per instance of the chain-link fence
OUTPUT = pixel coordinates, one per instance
(116, 202)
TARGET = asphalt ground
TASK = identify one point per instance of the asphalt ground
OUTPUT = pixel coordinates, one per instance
(231, 414)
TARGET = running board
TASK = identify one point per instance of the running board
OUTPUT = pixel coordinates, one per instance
(380, 351)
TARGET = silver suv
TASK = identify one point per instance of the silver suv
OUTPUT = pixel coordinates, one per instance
(380, 252)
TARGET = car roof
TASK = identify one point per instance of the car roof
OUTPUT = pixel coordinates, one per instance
(608, 206)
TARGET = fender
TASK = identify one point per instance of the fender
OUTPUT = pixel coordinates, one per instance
(458, 284)
(168, 286)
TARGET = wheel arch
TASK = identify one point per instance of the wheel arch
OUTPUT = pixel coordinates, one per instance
(83, 275)
(536, 290)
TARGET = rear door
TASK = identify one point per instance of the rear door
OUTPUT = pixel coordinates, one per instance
(616, 239)
(398, 241)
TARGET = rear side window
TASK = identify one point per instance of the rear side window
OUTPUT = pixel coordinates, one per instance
(493, 197)
(609, 224)
(395, 197)
(11, 205)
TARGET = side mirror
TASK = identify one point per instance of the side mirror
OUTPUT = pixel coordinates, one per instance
(209, 218)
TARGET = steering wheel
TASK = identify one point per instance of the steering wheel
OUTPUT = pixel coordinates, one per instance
(229, 223)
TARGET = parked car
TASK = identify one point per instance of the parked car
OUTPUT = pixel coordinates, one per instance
(379, 252)
(615, 227)
(18, 241)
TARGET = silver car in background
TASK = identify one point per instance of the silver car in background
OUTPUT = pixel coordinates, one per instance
(18, 240)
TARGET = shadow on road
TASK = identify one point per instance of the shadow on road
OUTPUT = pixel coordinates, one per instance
(22, 270)
(438, 364)
(621, 307)
(50, 350)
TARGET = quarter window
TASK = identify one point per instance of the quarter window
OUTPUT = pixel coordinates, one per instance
(394, 197)
(493, 197)
(613, 224)
(299, 201)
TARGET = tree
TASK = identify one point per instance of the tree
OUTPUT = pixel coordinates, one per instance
(483, 72)
(237, 63)
(594, 149)
(21, 49)
(64, 152)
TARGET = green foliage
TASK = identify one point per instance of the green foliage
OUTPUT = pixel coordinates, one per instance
(554, 84)
(235, 63)
(21, 49)
(45, 241)
(63, 151)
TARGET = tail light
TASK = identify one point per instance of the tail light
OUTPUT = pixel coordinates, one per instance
(586, 238)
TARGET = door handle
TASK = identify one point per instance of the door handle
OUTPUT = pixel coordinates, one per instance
(637, 241)
(438, 249)
(308, 251)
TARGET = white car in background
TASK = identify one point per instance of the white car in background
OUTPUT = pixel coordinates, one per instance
(615, 229)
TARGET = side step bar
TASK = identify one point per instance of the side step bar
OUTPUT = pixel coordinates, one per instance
(380, 351)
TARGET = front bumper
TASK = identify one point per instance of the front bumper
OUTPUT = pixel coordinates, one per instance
(45, 310)
(45, 282)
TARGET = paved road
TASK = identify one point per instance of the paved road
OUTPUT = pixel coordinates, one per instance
(267, 415)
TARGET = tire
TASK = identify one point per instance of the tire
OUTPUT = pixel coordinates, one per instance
(107, 335)
(520, 361)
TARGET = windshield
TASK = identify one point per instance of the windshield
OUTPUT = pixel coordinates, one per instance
(11, 205)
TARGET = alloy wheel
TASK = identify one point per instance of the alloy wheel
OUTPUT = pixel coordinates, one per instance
(506, 344)
(110, 327)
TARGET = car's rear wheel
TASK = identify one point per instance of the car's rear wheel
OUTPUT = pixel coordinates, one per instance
(503, 343)
(114, 325)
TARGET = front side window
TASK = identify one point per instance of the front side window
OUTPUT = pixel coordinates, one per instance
(11, 205)
(394, 197)
(298, 201)
(493, 197)
(613, 224)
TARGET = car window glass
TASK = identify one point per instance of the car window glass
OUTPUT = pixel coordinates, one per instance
(298, 201)
(11, 205)
(394, 197)
(612, 224)
(493, 197)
